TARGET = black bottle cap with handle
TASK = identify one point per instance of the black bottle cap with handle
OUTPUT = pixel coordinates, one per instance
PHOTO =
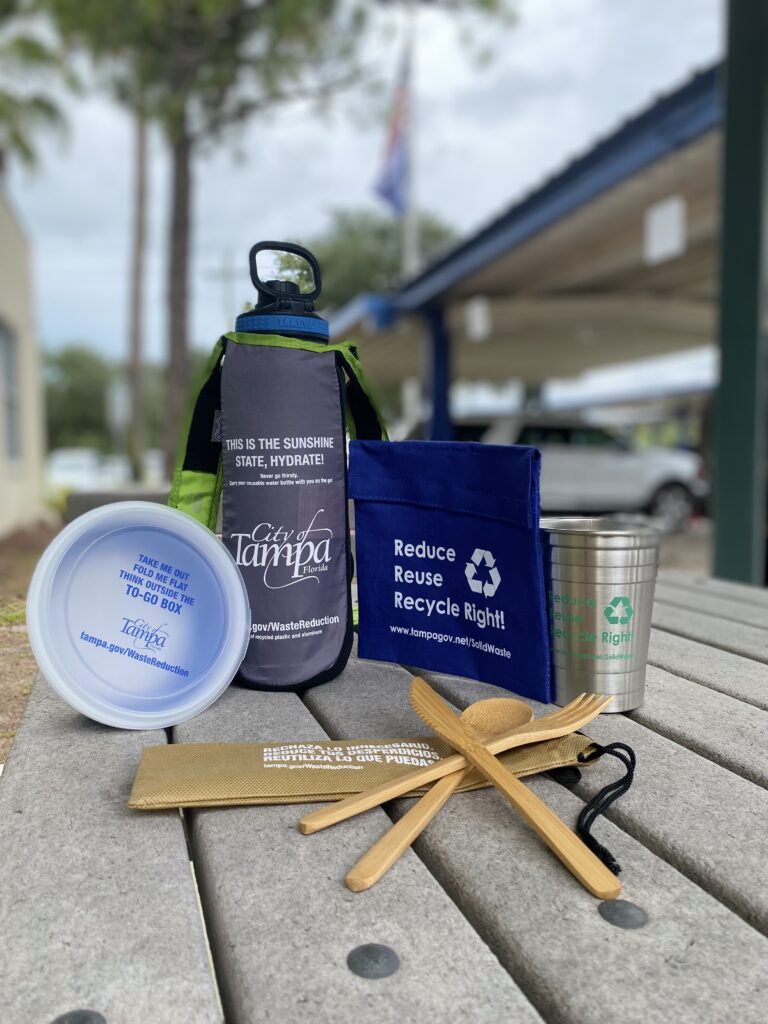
(283, 308)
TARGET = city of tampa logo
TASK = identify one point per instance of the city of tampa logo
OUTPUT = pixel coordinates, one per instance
(485, 582)
(286, 556)
(146, 637)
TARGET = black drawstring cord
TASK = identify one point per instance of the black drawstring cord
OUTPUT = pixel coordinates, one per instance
(601, 801)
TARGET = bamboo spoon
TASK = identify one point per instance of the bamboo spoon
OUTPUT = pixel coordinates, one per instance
(487, 719)
(560, 723)
(564, 843)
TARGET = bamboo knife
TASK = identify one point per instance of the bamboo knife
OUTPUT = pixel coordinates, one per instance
(564, 843)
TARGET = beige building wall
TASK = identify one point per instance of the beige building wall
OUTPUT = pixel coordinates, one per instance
(22, 437)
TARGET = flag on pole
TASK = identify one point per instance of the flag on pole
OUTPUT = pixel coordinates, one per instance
(392, 183)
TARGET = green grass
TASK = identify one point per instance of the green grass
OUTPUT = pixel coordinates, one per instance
(13, 614)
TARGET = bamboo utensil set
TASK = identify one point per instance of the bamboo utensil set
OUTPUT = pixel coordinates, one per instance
(483, 730)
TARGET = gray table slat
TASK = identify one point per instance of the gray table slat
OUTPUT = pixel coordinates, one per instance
(282, 922)
(699, 816)
(97, 904)
(728, 732)
(728, 673)
(726, 588)
(703, 819)
(545, 927)
(750, 641)
(750, 613)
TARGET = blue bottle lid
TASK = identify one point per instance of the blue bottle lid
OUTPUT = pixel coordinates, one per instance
(138, 615)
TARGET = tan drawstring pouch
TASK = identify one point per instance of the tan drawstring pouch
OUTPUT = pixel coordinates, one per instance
(234, 774)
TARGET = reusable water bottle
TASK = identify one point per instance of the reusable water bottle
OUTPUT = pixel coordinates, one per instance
(268, 437)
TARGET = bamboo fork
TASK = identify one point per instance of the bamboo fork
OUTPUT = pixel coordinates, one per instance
(384, 853)
(560, 723)
(565, 844)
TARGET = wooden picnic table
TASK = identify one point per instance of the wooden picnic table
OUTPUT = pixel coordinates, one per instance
(233, 914)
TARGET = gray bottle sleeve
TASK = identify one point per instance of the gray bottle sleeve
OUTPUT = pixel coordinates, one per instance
(284, 510)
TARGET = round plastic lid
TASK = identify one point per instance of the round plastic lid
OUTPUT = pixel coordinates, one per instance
(138, 615)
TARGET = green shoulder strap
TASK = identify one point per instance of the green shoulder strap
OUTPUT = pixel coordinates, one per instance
(197, 476)
(364, 422)
(197, 479)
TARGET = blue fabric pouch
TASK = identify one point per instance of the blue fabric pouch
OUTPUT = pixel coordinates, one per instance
(448, 562)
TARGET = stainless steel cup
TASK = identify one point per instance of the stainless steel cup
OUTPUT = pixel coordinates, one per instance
(600, 577)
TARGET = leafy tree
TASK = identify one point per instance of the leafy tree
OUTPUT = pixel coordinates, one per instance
(24, 110)
(77, 380)
(207, 66)
(361, 252)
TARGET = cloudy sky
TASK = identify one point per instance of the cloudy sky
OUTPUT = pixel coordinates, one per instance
(488, 131)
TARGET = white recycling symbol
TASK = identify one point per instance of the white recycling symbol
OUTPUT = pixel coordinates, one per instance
(491, 585)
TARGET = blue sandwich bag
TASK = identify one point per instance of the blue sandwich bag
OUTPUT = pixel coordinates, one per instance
(448, 562)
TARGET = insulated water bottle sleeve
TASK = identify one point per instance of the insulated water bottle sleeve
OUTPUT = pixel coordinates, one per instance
(284, 509)
(266, 434)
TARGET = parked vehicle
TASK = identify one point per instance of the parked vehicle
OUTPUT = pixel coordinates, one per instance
(86, 469)
(587, 469)
(73, 469)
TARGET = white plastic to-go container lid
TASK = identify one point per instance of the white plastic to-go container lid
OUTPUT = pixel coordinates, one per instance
(138, 615)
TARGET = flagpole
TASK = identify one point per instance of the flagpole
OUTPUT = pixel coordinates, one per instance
(411, 246)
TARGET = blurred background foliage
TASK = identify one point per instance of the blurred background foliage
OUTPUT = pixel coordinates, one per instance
(362, 252)
(79, 386)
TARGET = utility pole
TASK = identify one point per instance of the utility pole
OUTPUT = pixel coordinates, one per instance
(227, 273)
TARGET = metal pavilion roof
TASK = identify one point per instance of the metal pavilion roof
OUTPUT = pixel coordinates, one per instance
(563, 267)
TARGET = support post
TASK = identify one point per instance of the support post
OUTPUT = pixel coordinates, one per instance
(742, 405)
(533, 396)
(439, 370)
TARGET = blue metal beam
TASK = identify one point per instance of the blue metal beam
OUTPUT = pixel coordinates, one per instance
(377, 311)
(439, 383)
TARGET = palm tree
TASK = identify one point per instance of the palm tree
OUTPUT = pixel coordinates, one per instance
(115, 42)
(25, 112)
